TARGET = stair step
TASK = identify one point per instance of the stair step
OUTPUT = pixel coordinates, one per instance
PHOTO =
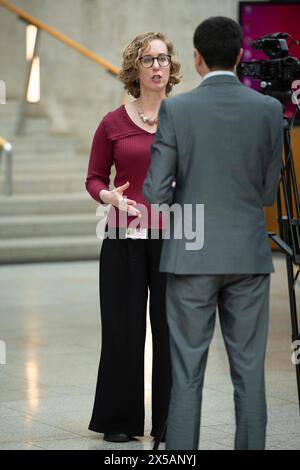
(9, 122)
(47, 225)
(43, 147)
(34, 125)
(25, 184)
(61, 203)
(55, 156)
(51, 170)
(45, 249)
(43, 139)
(52, 161)
(7, 130)
(51, 173)
(49, 167)
(10, 110)
(65, 154)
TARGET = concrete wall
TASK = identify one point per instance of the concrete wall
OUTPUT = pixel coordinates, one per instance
(75, 91)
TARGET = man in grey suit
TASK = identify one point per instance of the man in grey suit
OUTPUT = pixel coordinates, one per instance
(219, 145)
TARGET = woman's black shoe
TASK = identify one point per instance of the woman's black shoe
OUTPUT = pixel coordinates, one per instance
(116, 437)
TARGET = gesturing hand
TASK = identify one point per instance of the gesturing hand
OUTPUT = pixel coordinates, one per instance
(115, 198)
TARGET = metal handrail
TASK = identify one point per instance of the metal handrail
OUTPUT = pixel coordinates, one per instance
(60, 36)
(6, 151)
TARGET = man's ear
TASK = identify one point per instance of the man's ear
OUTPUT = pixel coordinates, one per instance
(239, 57)
(198, 57)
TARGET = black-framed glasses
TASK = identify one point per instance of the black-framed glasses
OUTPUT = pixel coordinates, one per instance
(163, 60)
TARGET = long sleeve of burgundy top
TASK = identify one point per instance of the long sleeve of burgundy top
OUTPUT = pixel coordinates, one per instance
(119, 141)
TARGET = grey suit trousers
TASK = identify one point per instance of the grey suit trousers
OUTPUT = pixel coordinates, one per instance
(243, 305)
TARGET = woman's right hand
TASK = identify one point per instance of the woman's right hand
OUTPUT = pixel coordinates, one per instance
(115, 198)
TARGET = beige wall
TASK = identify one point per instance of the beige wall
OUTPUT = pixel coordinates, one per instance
(76, 92)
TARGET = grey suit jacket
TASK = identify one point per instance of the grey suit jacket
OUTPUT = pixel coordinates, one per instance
(222, 144)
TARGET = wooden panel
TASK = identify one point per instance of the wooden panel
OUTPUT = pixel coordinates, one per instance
(271, 212)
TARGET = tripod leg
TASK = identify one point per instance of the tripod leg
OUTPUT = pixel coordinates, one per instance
(160, 434)
(289, 228)
(293, 311)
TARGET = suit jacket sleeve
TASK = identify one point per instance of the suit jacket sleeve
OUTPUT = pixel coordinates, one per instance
(272, 175)
(158, 186)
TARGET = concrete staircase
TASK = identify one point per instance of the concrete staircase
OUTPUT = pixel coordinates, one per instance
(50, 216)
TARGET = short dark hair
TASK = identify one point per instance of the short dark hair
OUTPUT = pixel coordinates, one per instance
(219, 39)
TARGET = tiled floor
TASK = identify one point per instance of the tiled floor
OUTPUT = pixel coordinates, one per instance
(49, 321)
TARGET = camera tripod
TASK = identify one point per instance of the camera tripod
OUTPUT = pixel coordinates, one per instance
(288, 210)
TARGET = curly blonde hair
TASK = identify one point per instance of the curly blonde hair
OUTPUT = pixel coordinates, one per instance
(133, 51)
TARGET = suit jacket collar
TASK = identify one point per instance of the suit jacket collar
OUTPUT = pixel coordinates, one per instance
(221, 79)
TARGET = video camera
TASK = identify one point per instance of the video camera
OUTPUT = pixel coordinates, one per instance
(279, 72)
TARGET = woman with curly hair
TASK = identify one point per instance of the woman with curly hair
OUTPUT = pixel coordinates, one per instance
(130, 254)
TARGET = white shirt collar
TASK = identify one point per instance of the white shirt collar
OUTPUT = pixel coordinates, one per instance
(217, 72)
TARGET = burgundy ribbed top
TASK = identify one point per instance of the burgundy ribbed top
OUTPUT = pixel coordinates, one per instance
(118, 140)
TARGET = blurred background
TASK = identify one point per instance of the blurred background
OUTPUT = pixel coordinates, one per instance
(55, 102)
(59, 79)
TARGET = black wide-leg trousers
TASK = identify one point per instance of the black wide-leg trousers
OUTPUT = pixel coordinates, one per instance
(128, 268)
